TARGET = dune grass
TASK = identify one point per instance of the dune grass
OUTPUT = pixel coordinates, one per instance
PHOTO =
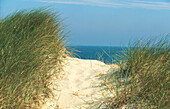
(142, 81)
(32, 44)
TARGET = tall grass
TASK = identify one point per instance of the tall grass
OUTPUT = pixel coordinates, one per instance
(32, 44)
(142, 80)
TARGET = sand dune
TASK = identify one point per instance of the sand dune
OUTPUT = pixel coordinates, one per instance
(77, 88)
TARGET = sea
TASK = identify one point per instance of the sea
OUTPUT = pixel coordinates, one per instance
(105, 54)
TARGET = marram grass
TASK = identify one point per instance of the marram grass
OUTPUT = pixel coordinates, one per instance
(142, 81)
(31, 49)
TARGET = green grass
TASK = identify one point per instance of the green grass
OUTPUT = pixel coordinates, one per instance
(32, 44)
(142, 80)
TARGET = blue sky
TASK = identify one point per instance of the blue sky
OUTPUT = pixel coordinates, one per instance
(104, 22)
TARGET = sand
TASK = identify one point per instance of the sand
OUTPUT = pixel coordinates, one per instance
(77, 87)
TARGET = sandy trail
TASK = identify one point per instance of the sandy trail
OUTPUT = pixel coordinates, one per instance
(78, 86)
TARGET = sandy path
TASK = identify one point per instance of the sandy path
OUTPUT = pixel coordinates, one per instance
(78, 87)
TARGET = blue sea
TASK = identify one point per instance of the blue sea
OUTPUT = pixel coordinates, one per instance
(102, 53)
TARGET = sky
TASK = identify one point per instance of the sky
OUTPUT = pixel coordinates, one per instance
(104, 22)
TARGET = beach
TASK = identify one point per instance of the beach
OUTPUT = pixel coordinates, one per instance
(84, 54)
(78, 84)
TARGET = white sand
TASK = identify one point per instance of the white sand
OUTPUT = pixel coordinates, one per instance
(78, 86)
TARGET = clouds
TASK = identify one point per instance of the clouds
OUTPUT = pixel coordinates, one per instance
(156, 5)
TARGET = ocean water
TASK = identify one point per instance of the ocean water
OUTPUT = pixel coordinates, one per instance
(102, 53)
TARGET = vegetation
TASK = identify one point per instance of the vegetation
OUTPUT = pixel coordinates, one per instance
(31, 48)
(142, 81)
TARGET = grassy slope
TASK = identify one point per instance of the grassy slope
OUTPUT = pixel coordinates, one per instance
(31, 46)
(143, 77)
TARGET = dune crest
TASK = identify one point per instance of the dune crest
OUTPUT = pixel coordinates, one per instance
(77, 88)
